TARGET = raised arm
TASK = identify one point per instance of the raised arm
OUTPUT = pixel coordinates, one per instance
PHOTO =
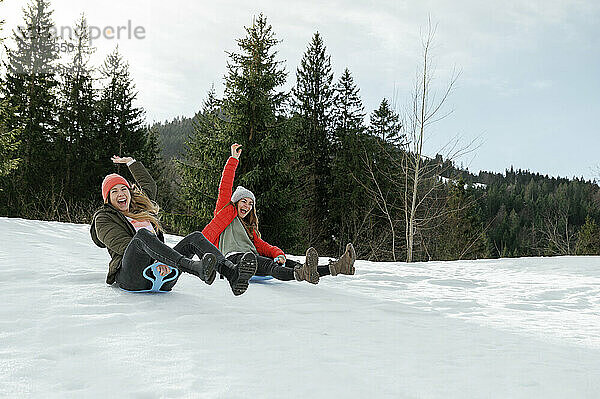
(226, 183)
(140, 175)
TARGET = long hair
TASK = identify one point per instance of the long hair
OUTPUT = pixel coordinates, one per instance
(142, 208)
(250, 221)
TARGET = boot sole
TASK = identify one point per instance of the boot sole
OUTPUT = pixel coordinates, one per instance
(312, 261)
(209, 273)
(246, 270)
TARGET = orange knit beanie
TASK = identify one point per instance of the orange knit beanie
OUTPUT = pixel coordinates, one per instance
(110, 181)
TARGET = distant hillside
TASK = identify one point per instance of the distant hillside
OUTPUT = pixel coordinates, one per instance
(173, 135)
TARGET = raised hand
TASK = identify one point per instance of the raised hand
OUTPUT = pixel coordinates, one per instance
(236, 150)
(118, 159)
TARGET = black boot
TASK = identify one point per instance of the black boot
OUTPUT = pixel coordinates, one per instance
(238, 275)
(204, 268)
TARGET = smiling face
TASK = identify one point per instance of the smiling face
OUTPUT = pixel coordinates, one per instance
(244, 206)
(120, 197)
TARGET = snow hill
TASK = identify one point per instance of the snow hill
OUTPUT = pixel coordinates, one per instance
(509, 328)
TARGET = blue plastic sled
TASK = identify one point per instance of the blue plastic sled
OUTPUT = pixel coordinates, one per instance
(158, 281)
(260, 279)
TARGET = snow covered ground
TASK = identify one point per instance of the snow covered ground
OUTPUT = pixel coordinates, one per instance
(509, 328)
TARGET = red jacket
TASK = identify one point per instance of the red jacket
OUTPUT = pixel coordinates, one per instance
(225, 212)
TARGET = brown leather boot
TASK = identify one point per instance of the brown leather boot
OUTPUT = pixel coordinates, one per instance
(345, 264)
(308, 271)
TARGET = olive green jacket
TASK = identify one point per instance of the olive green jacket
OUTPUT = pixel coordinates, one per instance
(110, 228)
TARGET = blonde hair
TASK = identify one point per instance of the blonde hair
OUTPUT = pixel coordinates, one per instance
(142, 208)
(250, 221)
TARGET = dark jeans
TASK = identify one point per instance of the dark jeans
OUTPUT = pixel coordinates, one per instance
(145, 248)
(268, 267)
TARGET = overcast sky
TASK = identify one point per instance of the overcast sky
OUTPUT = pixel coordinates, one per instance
(529, 84)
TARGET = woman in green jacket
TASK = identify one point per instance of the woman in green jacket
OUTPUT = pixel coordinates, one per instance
(127, 225)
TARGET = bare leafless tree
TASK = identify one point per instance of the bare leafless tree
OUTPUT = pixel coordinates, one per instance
(410, 195)
(380, 197)
(423, 177)
(425, 110)
(556, 231)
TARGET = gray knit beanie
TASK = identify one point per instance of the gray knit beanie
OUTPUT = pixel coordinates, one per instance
(241, 192)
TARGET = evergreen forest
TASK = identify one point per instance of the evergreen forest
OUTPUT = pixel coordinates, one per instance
(325, 171)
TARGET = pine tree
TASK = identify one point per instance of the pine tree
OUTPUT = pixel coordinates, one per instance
(122, 130)
(385, 124)
(255, 104)
(8, 143)
(347, 169)
(461, 234)
(29, 90)
(348, 111)
(252, 99)
(8, 137)
(164, 172)
(312, 100)
(588, 239)
(77, 119)
(205, 154)
(150, 153)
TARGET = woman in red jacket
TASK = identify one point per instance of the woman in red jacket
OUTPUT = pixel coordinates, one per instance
(234, 230)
